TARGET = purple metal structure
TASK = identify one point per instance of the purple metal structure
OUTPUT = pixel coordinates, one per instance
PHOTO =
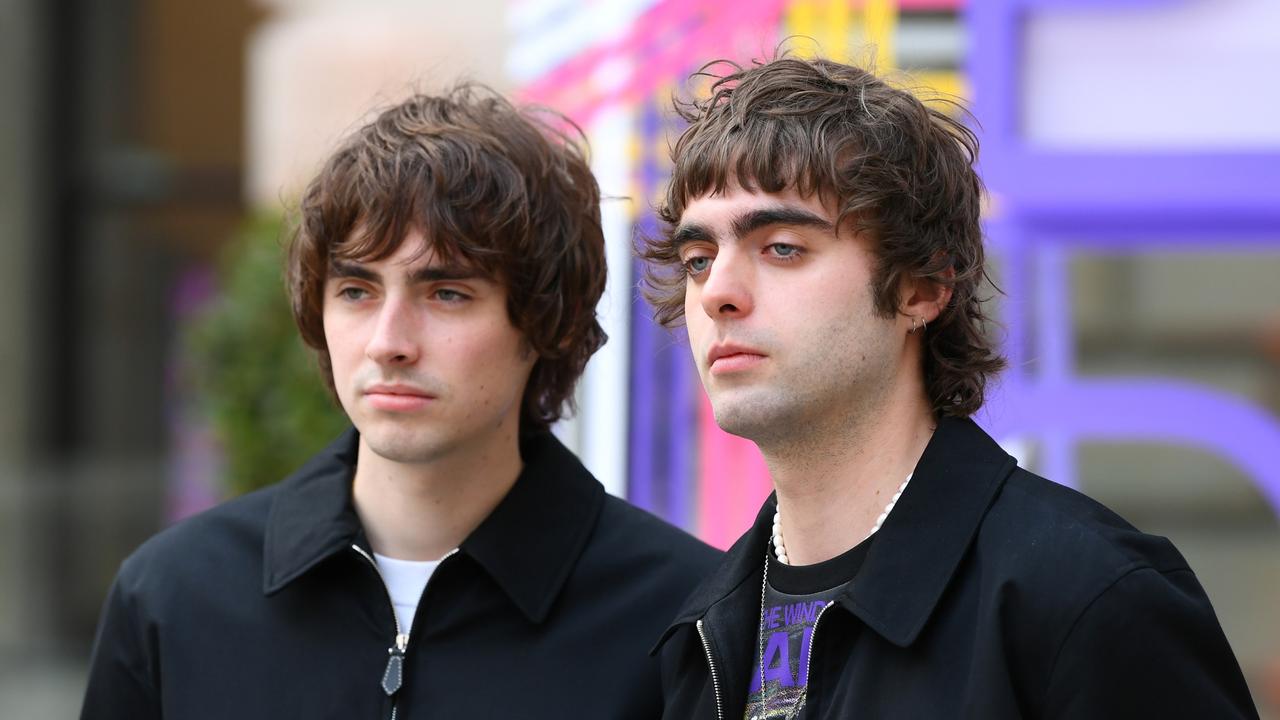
(1053, 202)
(664, 386)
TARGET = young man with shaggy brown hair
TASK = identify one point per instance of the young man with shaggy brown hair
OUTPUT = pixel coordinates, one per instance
(447, 557)
(823, 247)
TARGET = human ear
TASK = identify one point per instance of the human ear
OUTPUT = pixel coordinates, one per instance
(922, 299)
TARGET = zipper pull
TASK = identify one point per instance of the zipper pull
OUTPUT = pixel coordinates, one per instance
(393, 676)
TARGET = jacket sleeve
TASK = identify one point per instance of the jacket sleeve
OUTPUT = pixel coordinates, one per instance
(121, 677)
(1148, 646)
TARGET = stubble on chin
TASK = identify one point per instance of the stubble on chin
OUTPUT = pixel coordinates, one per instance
(763, 420)
(795, 418)
(402, 448)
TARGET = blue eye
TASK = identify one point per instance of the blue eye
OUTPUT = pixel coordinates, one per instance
(697, 265)
(451, 296)
(353, 293)
(783, 250)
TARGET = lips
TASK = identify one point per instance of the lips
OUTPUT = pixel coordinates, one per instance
(731, 357)
(397, 398)
(397, 389)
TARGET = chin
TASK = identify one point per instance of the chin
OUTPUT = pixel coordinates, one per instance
(751, 419)
(402, 446)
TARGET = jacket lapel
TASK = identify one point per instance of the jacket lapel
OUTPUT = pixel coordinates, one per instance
(311, 516)
(534, 538)
(924, 539)
(743, 560)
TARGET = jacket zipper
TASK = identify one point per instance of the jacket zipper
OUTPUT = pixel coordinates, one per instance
(393, 675)
(711, 663)
(813, 637)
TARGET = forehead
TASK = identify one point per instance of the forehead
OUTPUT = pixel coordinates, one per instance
(412, 250)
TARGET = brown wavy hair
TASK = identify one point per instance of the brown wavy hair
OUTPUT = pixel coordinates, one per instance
(502, 189)
(898, 170)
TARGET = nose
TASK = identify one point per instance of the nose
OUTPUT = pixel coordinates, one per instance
(394, 340)
(726, 291)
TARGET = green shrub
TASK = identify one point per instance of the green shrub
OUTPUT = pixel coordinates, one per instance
(254, 379)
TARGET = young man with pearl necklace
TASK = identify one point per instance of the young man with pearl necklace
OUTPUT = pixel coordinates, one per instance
(823, 247)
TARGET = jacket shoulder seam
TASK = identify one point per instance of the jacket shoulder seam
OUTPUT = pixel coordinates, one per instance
(1125, 573)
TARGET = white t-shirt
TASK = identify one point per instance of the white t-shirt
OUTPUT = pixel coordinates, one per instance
(405, 581)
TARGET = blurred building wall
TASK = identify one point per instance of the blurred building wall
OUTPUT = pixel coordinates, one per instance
(120, 167)
(318, 70)
(19, 201)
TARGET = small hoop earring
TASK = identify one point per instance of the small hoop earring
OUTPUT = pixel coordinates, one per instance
(915, 324)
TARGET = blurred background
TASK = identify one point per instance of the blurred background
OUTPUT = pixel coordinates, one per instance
(149, 150)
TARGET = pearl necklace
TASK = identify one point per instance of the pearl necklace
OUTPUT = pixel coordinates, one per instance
(780, 549)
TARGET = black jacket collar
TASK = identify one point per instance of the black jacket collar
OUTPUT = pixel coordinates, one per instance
(528, 544)
(916, 551)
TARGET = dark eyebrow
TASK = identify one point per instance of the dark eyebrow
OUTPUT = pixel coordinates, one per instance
(686, 234)
(431, 273)
(750, 222)
(343, 269)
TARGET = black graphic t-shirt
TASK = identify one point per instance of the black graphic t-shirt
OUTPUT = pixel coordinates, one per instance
(794, 598)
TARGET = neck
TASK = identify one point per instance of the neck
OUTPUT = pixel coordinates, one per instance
(421, 511)
(833, 483)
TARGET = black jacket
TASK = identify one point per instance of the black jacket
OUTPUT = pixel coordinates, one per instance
(988, 593)
(262, 608)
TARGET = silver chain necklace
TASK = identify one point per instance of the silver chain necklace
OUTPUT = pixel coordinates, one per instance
(780, 549)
